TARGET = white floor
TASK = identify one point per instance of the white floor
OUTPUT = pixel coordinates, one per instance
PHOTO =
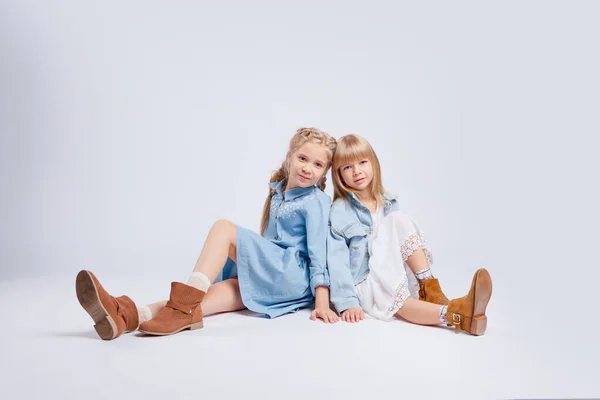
(48, 349)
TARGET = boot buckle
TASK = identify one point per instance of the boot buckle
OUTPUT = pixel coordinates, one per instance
(456, 319)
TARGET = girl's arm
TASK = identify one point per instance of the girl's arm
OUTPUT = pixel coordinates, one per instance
(343, 295)
(317, 229)
(316, 217)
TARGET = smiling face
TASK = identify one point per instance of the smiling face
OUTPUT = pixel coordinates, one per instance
(307, 165)
(357, 174)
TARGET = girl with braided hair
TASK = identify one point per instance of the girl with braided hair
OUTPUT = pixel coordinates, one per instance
(277, 272)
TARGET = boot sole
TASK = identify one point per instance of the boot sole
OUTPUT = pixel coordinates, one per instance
(483, 293)
(192, 327)
(87, 294)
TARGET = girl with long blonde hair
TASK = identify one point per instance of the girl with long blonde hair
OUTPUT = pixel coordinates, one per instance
(378, 259)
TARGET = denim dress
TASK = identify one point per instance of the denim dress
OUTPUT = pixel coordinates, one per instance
(279, 271)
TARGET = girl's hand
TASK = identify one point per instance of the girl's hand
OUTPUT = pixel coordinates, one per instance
(326, 314)
(353, 314)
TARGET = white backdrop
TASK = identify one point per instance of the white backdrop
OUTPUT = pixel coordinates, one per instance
(128, 128)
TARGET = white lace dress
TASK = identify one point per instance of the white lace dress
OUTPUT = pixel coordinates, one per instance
(390, 281)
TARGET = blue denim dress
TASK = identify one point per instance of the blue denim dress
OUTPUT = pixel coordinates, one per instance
(279, 272)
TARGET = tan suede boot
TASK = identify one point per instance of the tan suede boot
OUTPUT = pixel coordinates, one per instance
(112, 316)
(182, 311)
(430, 291)
(468, 313)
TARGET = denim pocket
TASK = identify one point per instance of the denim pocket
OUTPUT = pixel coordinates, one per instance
(356, 235)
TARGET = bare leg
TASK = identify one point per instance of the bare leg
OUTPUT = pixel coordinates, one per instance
(420, 312)
(219, 245)
(223, 297)
(417, 261)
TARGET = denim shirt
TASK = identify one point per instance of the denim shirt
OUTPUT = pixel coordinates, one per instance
(350, 224)
(298, 218)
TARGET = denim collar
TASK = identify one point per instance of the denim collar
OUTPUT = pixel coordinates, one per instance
(387, 199)
(292, 193)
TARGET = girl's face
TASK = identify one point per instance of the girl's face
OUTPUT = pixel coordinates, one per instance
(307, 165)
(358, 174)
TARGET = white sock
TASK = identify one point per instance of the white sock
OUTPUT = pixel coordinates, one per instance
(444, 314)
(144, 314)
(424, 274)
(199, 281)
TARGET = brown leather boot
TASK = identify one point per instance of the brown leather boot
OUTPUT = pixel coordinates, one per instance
(430, 291)
(182, 311)
(112, 316)
(468, 313)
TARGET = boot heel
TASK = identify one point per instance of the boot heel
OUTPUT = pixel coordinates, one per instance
(96, 311)
(106, 328)
(87, 295)
(197, 325)
(478, 325)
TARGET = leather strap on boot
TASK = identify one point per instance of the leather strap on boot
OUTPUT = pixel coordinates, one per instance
(458, 321)
(184, 308)
(455, 321)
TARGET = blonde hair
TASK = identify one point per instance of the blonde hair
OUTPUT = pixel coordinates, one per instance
(352, 148)
(303, 135)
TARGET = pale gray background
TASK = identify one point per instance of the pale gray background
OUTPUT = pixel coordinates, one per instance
(128, 128)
